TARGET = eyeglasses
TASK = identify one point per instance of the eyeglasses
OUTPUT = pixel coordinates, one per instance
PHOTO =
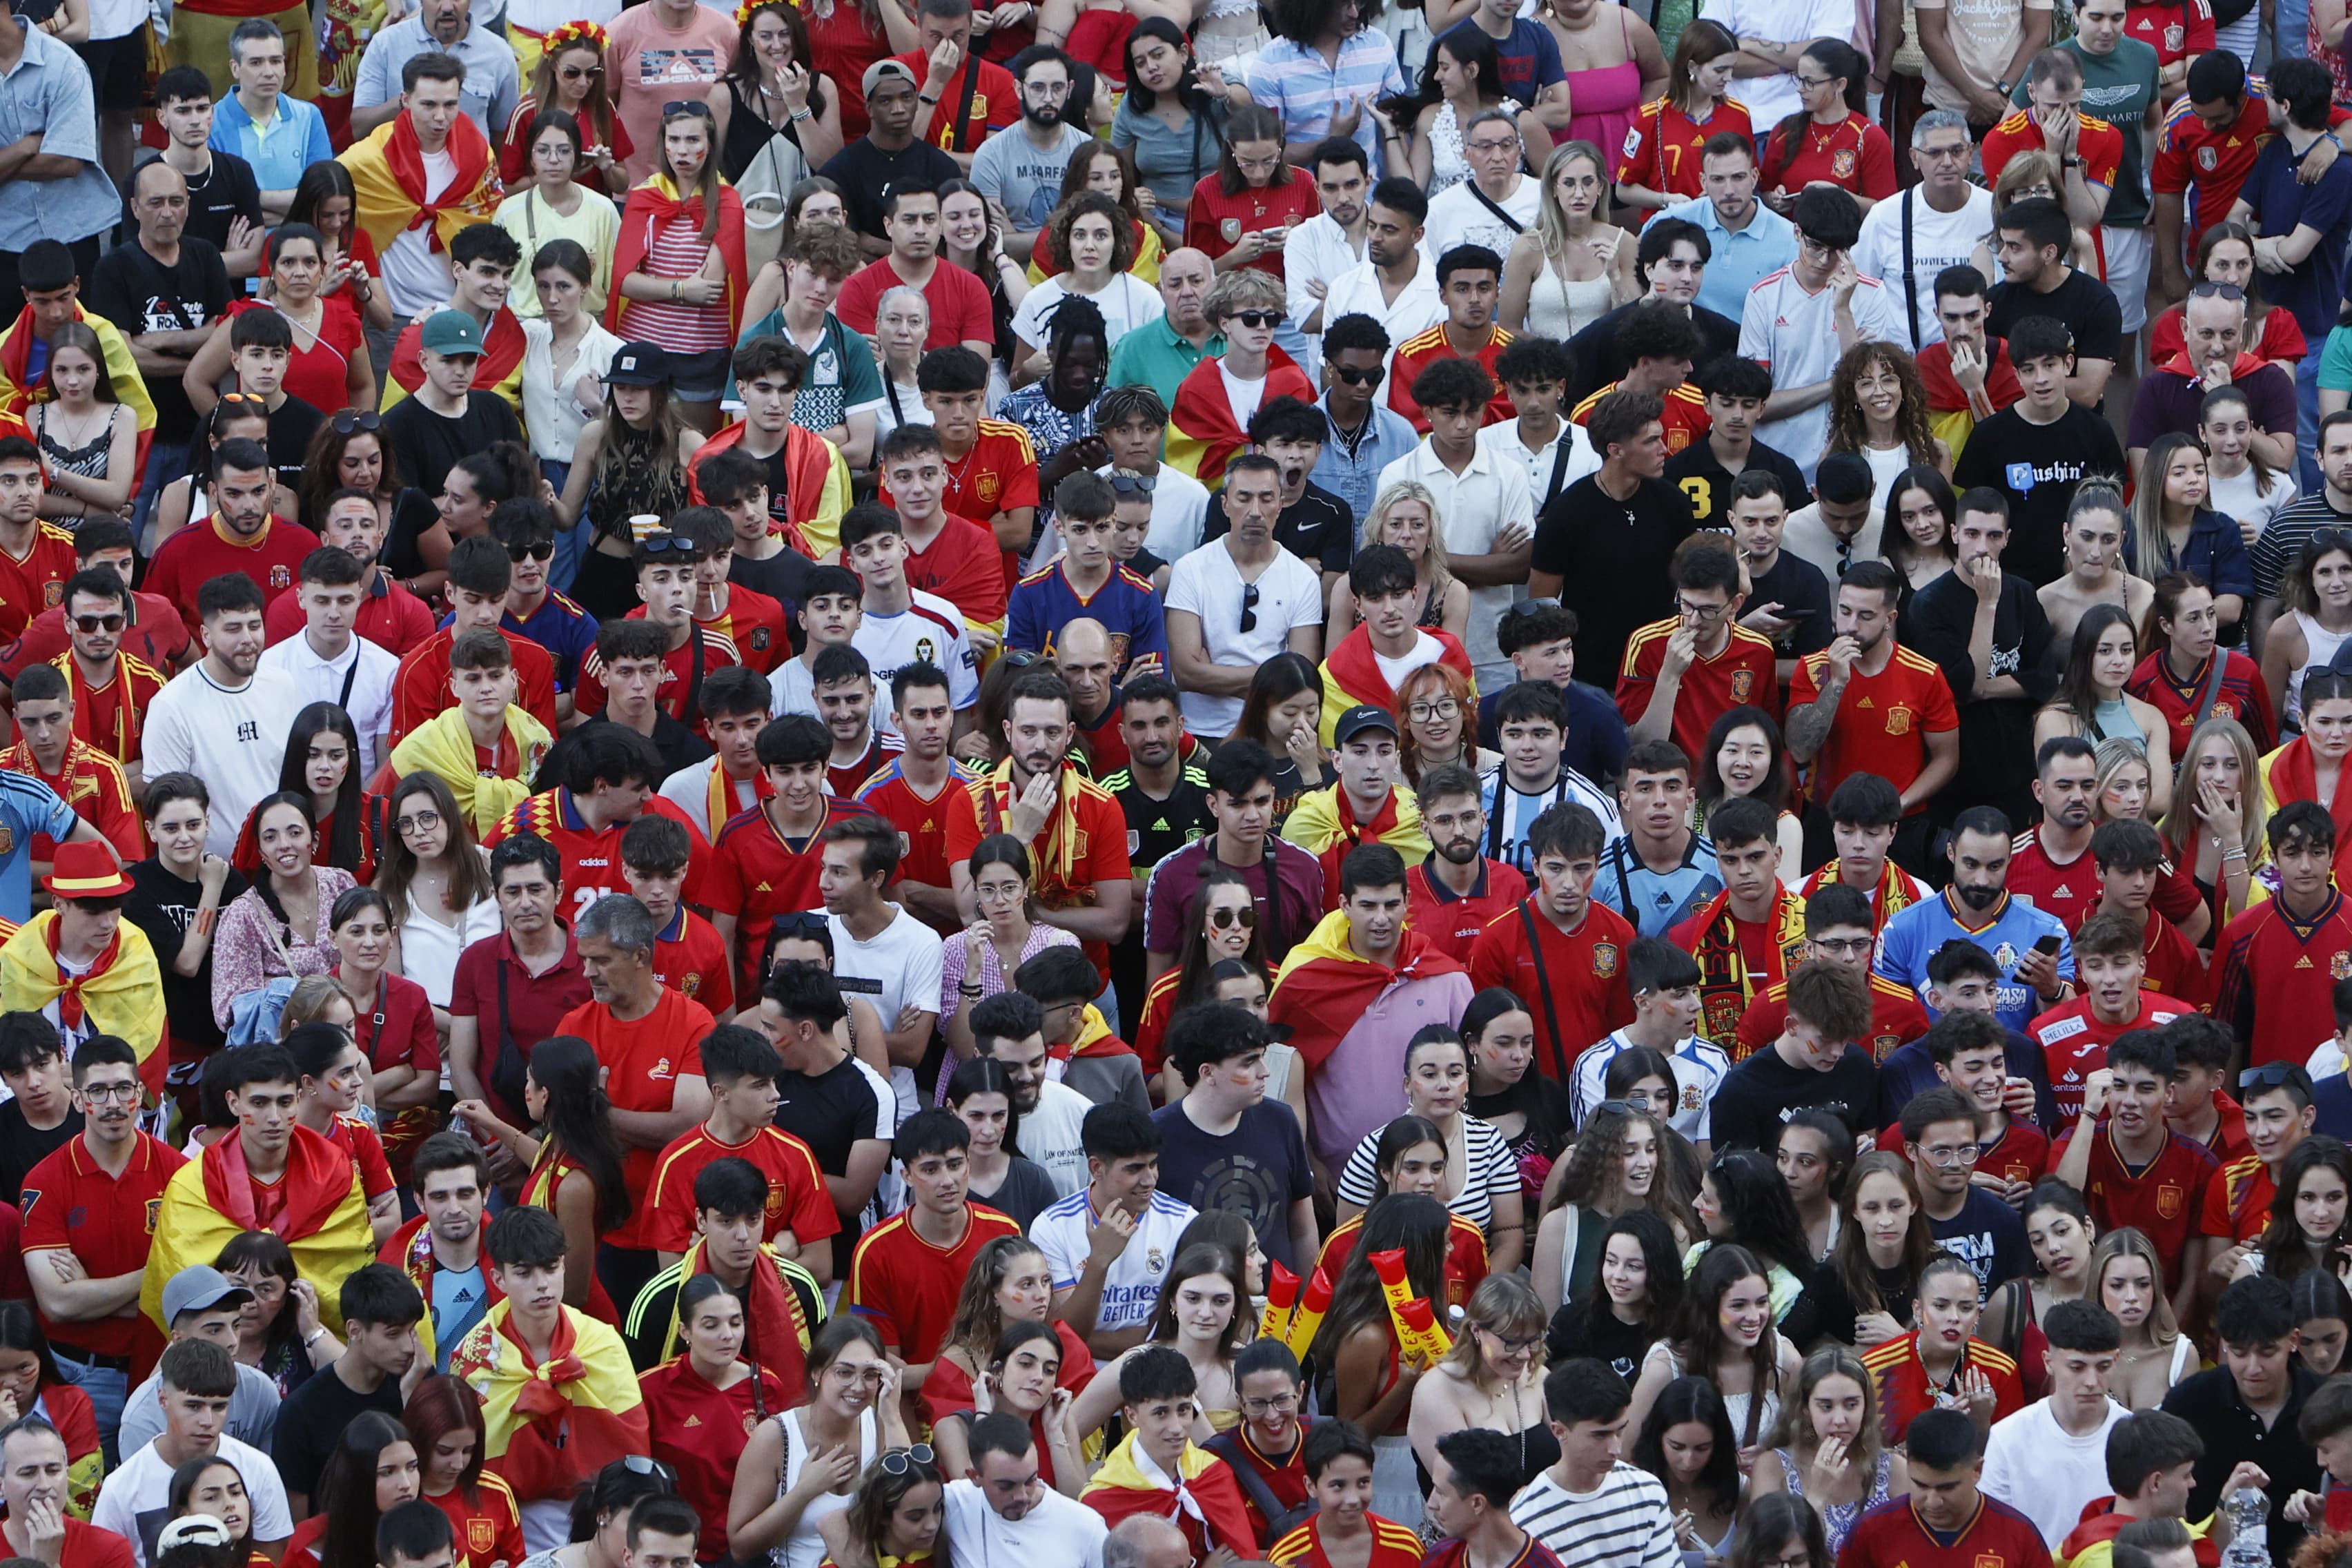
(1423, 712)
(351, 421)
(1699, 612)
(1496, 145)
(1512, 1346)
(1257, 166)
(419, 822)
(1355, 375)
(1947, 1156)
(1255, 318)
(1809, 82)
(686, 106)
(1249, 607)
(101, 1093)
(1801, 1560)
(1244, 916)
(1282, 1403)
(2230, 291)
(536, 549)
(898, 1461)
(1842, 946)
(113, 623)
(1131, 484)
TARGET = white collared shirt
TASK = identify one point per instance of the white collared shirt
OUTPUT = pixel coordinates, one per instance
(1504, 441)
(1415, 310)
(371, 671)
(1474, 505)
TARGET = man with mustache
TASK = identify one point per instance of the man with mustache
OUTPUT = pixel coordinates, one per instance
(1978, 906)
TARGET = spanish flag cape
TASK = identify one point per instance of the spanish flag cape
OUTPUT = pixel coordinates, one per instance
(1324, 824)
(1202, 434)
(1059, 884)
(410, 1251)
(1725, 987)
(210, 1202)
(499, 371)
(776, 1328)
(2290, 775)
(1202, 1499)
(1324, 987)
(1896, 891)
(1351, 675)
(656, 203)
(20, 388)
(816, 486)
(551, 1423)
(122, 995)
(387, 169)
(444, 747)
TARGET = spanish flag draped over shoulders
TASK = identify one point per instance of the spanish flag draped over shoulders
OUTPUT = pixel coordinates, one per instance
(1352, 678)
(1203, 1498)
(500, 369)
(210, 1201)
(20, 388)
(656, 203)
(120, 994)
(817, 492)
(551, 1423)
(387, 169)
(1325, 987)
(1201, 434)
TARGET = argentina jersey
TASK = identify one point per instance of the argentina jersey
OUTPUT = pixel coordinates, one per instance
(1511, 812)
(1656, 901)
(1911, 936)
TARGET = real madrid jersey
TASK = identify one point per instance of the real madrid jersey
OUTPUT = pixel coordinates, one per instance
(1511, 812)
(929, 631)
(1699, 1065)
(1911, 937)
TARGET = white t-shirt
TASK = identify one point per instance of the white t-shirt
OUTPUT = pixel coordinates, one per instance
(1476, 505)
(1207, 584)
(1426, 649)
(688, 789)
(1937, 240)
(1504, 441)
(1241, 396)
(1771, 99)
(1793, 334)
(1056, 1532)
(899, 966)
(371, 671)
(1130, 1290)
(1418, 307)
(931, 632)
(235, 740)
(416, 276)
(2238, 501)
(1127, 302)
(1054, 1136)
(141, 1487)
(2044, 1472)
(1456, 216)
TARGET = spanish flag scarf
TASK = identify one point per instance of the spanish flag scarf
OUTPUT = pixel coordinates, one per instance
(2290, 773)
(1202, 436)
(1325, 986)
(1324, 823)
(552, 1422)
(808, 464)
(1202, 1499)
(656, 203)
(20, 388)
(444, 747)
(775, 1329)
(387, 170)
(1892, 894)
(122, 995)
(1726, 986)
(1058, 883)
(210, 1201)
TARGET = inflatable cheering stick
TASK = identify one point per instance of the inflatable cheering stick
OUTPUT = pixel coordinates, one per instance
(1312, 1302)
(1418, 1335)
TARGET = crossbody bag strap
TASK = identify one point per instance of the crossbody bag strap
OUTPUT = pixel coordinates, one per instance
(1514, 225)
(2212, 692)
(1910, 274)
(1543, 988)
(971, 87)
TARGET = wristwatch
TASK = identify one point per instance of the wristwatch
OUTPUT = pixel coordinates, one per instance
(2004, 88)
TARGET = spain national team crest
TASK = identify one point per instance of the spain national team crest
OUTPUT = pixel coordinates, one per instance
(1991, 1559)
(988, 486)
(281, 576)
(2208, 159)
(775, 1198)
(2340, 967)
(2168, 1198)
(1604, 960)
(1898, 721)
(1882, 1046)
(53, 595)
(481, 1536)
(1842, 164)
(154, 1213)
(1743, 681)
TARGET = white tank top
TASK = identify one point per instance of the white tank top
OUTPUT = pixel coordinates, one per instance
(805, 1547)
(2320, 645)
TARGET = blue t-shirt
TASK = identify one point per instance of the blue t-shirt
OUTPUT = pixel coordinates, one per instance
(1043, 603)
(459, 1301)
(1911, 937)
(1257, 1171)
(1656, 901)
(2314, 291)
(27, 807)
(1529, 59)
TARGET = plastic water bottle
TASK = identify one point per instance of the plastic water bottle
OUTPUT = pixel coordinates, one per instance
(2250, 1539)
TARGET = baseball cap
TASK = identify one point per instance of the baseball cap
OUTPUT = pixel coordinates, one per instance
(639, 364)
(887, 70)
(198, 1287)
(194, 1529)
(1361, 717)
(451, 332)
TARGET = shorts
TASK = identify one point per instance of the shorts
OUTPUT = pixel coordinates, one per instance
(118, 69)
(699, 377)
(2129, 252)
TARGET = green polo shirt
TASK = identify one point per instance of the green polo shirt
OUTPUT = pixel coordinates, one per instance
(2117, 87)
(1157, 357)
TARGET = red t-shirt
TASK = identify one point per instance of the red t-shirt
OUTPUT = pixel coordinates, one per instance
(155, 636)
(319, 374)
(2274, 978)
(1882, 723)
(1393, 1546)
(2172, 31)
(753, 624)
(1743, 673)
(399, 1028)
(488, 1530)
(2070, 891)
(1215, 222)
(89, 1546)
(675, 693)
(107, 1223)
(1903, 1390)
(922, 824)
(690, 959)
(1893, 1537)
(2189, 153)
(1452, 922)
(186, 562)
(965, 566)
(2099, 144)
(390, 616)
(798, 1200)
(36, 582)
(2074, 1043)
(757, 874)
(908, 1287)
(591, 860)
(961, 310)
(2237, 1206)
(1685, 415)
(92, 784)
(1895, 1018)
(1662, 147)
(2019, 1154)
(420, 690)
(1854, 153)
(529, 1008)
(995, 101)
(642, 1061)
(358, 1140)
(2163, 1198)
(1425, 349)
(1577, 996)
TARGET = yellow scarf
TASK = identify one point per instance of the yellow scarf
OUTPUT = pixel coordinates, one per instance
(124, 999)
(444, 746)
(1055, 852)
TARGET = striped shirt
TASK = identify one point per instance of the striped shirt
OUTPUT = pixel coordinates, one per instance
(678, 250)
(1492, 1169)
(1622, 1523)
(1292, 79)
(1511, 812)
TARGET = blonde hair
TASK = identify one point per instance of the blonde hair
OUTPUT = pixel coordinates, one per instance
(1243, 289)
(2114, 754)
(2181, 825)
(1506, 1306)
(308, 1001)
(1551, 225)
(2163, 1328)
(1377, 520)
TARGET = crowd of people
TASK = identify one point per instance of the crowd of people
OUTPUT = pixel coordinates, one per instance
(1393, 784)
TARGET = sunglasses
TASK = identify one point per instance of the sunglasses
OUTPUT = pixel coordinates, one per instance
(1128, 484)
(1244, 917)
(686, 106)
(246, 399)
(1254, 319)
(573, 73)
(2270, 1075)
(1249, 607)
(349, 422)
(2230, 291)
(1357, 376)
(113, 623)
(656, 544)
(898, 1461)
(639, 1464)
(536, 549)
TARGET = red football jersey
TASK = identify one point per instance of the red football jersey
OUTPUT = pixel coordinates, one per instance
(420, 690)
(1903, 1390)
(2074, 1043)
(2163, 29)
(1452, 922)
(1662, 147)
(757, 874)
(2175, 967)
(846, 779)
(2019, 1154)
(592, 859)
(2243, 695)
(112, 717)
(922, 824)
(182, 564)
(1393, 1546)
(360, 1141)
(107, 1223)
(155, 634)
(1425, 349)
(1685, 417)
(2163, 1198)
(753, 624)
(1892, 1536)
(2068, 891)
(2099, 144)
(1574, 982)
(2275, 977)
(908, 1288)
(92, 784)
(2191, 155)
(1883, 720)
(965, 566)
(676, 692)
(798, 1200)
(1897, 1018)
(36, 579)
(1215, 222)
(1855, 154)
(1743, 673)
(2237, 1206)
(643, 1060)
(690, 959)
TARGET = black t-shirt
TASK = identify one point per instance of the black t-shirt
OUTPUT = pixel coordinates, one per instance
(830, 1111)
(162, 906)
(782, 576)
(864, 172)
(24, 1146)
(2037, 467)
(1987, 1236)
(1759, 1095)
(311, 1421)
(1996, 733)
(1610, 557)
(427, 444)
(291, 424)
(1257, 1171)
(1157, 828)
(1588, 1328)
(1706, 483)
(1597, 361)
(2083, 305)
(139, 294)
(226, 193)
(1318, 528)
(1797, 587)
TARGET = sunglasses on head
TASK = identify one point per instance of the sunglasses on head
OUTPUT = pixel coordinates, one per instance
(349, 422)
(639, 1464)
(2269, 1076)
(1128, 484)
(246, 399)
(897, 1461)
(659, 543)
(686, 106)
(2230, 291)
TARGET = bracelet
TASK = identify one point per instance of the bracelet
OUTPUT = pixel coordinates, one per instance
(803, 113)
(932, 102)
(2230, 855)
(314, 1336)
(673, 288)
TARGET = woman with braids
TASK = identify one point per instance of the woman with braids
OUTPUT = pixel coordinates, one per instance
(702, 1405)
(1831, 139)
(1878, 410)
(1057, 408)
(1725, 1334)
(571, 79)
(1090, 242)
(373, 1470)
(767, 92)
(1359, 1368)
(574, 1171)
(1616, 1165)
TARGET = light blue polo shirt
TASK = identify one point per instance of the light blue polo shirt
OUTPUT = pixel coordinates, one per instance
(296, 139)
(1737, 262)
(49, 91)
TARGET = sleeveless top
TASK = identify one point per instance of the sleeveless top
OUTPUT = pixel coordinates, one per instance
(89, 461)
(1559, 309)
(1737, 1406)
(1448, 165)
(1604, 101)
(1884, 467)
(805, 1547)
(1433, 616)
(1838, 1519)
(647, 484)
(2319, 647)
(748, 130)
(2113, 721)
